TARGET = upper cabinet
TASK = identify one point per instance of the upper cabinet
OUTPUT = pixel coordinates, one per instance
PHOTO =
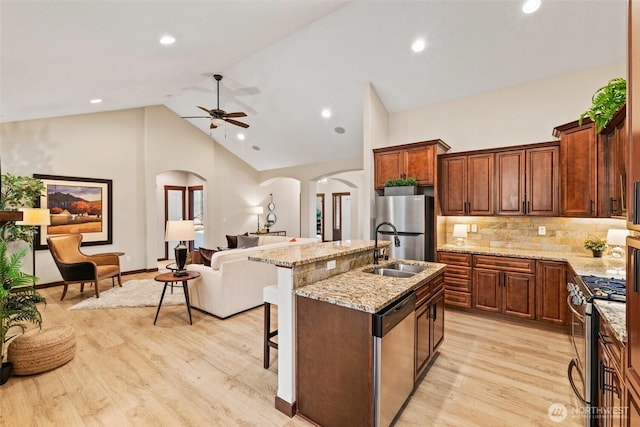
(467, 184)
(578, 169)
(612, 186)
(417, 160)
(527, 181)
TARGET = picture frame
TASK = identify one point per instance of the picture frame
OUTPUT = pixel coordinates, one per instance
(77, 205)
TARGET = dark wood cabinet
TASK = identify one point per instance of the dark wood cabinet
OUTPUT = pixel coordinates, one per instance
(417, 160)
(551, 292)
(457, 278)
(612, 184)
(504, 285)
(578, 169)
(429, 322)
(468, 183)
(510, 184)
(611, 388)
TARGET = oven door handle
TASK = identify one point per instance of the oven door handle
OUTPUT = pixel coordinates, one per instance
(580, 316)
(573, 365)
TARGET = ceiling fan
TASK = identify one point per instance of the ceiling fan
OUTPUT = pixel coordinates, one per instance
(216, 114)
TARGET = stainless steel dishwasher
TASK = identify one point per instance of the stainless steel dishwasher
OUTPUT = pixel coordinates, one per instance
(393, 357)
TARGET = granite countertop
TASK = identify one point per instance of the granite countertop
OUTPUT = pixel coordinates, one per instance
(582, 263)
(294, 256)
(368, 292)
(615, 314)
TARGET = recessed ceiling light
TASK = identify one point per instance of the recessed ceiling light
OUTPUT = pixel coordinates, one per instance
(418, 45)
(241, 136)
(96, 101)
(326, 113)
(166, 40)
(530, 6)
(255, 147)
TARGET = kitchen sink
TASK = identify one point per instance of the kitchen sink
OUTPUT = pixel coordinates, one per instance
(389, 272)
(404, 267)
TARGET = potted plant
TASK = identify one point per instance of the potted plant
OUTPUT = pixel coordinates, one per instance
(16, 192)
(606, 102)
(400, 187)
(18, 299)
(597, 245)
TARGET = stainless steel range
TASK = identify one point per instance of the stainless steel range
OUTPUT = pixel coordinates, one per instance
(584, 335)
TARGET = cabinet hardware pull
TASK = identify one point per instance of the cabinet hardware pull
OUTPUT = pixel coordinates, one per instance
(591, 203)
(528, 207)
(524, 207)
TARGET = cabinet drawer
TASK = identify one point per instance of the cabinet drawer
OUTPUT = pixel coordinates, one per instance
(456, 284)
(422, 293)
(454, 258)
(460, 299)
(456, 271)
(519, 265)
(611, 344)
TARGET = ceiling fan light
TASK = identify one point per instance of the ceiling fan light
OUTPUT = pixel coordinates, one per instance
(217, 122)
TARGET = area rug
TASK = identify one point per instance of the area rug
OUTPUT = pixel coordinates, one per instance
(134, 293)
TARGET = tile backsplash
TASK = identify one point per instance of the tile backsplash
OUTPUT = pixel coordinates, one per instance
(562, 234)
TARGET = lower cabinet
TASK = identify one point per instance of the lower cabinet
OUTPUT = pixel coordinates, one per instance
(429, 323)
(551, 292)
(611, 388)
(457, 278)
(504, 285)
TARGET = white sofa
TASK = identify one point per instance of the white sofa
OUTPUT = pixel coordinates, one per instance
(233, 283)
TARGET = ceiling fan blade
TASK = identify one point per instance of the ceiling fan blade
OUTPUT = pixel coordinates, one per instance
(204, 109)
(212, 125)
(237, 123)
(195, 117)
(238, 114)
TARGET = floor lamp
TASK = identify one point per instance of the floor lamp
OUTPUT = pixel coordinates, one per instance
(34, 217)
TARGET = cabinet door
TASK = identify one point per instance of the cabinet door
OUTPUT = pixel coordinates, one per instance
(633, 107)
(615, 146)
(578, 173)
(454, 185)
(487, 293)
(543, 185)
(510, 182)
(480, 184)
(423, 338)
(419, 163)
(437, 321)
(551, 292)
(633, 407)
(519, 294)
(388, 165)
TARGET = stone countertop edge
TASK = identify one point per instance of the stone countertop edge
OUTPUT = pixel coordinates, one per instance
(583, 264)
(359, 290)
(294, 256)
(615, 314)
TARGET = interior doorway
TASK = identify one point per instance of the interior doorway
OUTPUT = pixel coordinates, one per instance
(341, 206)
(320, 216)
(174, 210)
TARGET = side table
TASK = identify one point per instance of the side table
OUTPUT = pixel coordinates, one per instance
(170, 279)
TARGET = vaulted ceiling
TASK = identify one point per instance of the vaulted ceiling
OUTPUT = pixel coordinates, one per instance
(283, 62)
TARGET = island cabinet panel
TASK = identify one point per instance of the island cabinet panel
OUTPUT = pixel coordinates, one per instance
(551, 292)
(578, 169)
(334, 356)
(429, 315)
(457, 278)
(467, 184)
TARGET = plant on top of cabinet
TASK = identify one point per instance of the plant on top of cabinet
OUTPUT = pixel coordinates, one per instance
(401, 182)
(606, 102)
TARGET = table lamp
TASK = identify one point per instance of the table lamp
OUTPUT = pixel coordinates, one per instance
(460, 233)
(34, 217)
(617, 238)
(180, 231)
(258, 210)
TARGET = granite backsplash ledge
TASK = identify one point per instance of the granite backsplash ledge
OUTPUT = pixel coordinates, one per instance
(562, 234)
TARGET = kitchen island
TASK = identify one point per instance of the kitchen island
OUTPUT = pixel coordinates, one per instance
(334, 274)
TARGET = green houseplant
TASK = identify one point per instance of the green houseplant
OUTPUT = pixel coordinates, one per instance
(18, 301)
(606, 102)
(400, 187)
(17, 192)
(597, 245)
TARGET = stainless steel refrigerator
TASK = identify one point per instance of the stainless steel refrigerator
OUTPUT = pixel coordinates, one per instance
(414, 221)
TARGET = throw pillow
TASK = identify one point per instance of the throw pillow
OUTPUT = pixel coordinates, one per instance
(247, 241)
(205, 255)
(232, 241)
(293, 239)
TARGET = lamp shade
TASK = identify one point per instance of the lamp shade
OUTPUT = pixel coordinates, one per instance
(617, 237)
(181, 230)
(460, 230)
(34, 216)
(258, 210)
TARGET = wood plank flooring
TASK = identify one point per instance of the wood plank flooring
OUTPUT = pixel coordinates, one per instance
(128, 372)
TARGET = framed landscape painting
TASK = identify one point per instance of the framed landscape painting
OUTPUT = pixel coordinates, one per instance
(77, 205)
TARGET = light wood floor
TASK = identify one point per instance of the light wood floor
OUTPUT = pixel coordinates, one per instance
(128, 372)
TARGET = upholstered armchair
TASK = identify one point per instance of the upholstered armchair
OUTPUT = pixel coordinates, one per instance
(76, 267)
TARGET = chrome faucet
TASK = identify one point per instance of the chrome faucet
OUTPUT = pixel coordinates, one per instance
(396, 240)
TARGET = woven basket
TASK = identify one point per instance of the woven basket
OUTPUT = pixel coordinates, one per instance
(41, 351)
